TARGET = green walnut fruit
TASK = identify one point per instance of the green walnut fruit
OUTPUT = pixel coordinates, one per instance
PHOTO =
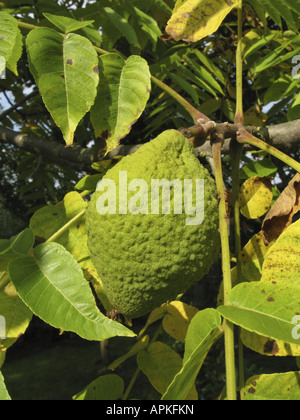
(152, 225)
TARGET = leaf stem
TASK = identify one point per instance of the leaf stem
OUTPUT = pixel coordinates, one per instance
(194, 113)
(236, 153)
(64, 229)
(27, 26)
(226, 268)
(243, 137)
(138, 370)
(239, 116)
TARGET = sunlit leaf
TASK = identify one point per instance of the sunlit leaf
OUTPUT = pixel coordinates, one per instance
(123, 93)
(4, 396)
(268, 346)
(49, 219)
(52, 285)
(10, 41)
(178, 318)
(262, 168)
(67, 24)
(196, 19)
(203, 331)
(282, 262)
(265, 308)
(122, 25)
(274, 387)
(65, 69)
(255, 197)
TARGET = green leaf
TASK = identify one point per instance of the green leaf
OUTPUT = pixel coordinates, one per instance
(148, 24)
(2, 358)
(257, 45)
(122, 25)
(262, 168)
(277, 90)
(49, 219)
(293, 111)
(67, 24)
(267, 309)
(93, 35)
(4, 396)
(275, 57)
(189, 89)
(17, 246)
(272, 11)
(89, 182)
(160, 363)
(16, 54)
(65, 69)
(278, 9)
(294, 5)
(160, 4)
(52, 285)
(203, 331)
(104, 388)
(123, 93)
(10, 41)
(275, 387)
(211, 66)
(204, 75)
(17, 318)
(2, 64)
(196, 19)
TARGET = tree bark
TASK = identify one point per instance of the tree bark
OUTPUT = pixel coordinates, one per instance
(285, 137)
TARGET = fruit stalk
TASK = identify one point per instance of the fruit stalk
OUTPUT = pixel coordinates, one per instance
(226, 268)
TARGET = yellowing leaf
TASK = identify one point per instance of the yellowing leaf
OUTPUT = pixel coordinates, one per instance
(282, 262)
(255, 248)
(274, 387)
(196, 19)
(268, 346)
(255, 197)
(177, 319)
(160, 363)
(282, 212)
